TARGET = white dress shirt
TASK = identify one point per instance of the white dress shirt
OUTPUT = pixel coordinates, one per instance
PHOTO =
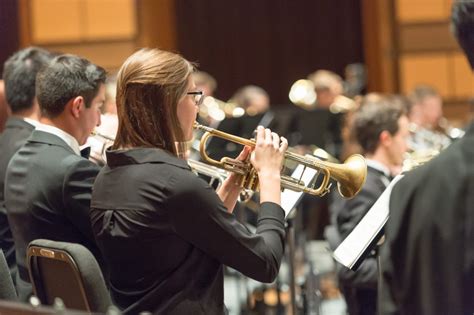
(70, 140)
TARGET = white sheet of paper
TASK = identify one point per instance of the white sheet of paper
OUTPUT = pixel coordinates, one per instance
(355, 244)
(290, 198)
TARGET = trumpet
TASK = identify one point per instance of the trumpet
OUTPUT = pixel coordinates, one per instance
(215, 174)
(103, 136)
(350, 176)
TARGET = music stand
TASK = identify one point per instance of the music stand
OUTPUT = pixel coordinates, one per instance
(289, 201)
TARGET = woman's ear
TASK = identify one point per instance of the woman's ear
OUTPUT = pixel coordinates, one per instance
(77, 106)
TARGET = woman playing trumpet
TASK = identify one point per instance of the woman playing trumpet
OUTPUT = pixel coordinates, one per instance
(165, 233)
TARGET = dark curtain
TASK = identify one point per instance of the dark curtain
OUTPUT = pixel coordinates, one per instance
(270, 43)
(9, 32)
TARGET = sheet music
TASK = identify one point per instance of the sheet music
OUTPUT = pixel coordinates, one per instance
(289, 198)
(355, 244)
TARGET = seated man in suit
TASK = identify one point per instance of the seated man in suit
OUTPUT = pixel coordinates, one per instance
(381, 128)
(48, 184)
(19, 75)
(427, 259)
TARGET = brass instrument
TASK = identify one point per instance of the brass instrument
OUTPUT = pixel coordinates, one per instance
(303, 94)
(417, 158)
(99, 143)
(214, 173)
(350, 175)
(103, 136)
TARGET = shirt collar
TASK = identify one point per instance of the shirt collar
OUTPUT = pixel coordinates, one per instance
(143, 156)
(32, 122)
(70, 140)
(379, 167)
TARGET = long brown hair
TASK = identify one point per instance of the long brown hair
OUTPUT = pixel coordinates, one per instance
(149, 86)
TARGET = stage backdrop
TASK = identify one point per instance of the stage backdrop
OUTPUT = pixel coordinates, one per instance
(270, 43)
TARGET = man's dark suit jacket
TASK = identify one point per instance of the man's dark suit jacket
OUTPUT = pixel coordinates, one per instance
(428, 254)
(359, 287)
(13, 137)
(47, 195)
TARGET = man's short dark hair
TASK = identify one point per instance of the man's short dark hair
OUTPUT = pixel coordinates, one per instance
(372, 119)
(19, 74)
(462, 25)
(66, 77)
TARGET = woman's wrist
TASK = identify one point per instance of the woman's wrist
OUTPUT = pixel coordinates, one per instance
(270, 176)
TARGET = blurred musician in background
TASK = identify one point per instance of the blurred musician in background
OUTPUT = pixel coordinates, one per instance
(427, 259)
(48, 183)
(156, 220)
(19, 75)
(381, 128)
(254, 103)
(355, 75)
(426, 115)
(324, 109)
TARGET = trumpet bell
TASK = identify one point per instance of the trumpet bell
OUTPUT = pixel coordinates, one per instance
(350, 176)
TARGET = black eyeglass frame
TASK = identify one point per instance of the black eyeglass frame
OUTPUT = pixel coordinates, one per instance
(196, 99)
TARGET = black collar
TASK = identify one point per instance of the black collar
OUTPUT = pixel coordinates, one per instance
(143, 156)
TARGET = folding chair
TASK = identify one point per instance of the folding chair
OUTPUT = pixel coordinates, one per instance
(68, 271)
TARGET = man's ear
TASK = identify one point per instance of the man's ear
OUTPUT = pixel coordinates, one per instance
(76, 106)
(385, 138)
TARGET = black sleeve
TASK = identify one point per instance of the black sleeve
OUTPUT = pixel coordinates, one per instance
(199, 216)
(77, 191)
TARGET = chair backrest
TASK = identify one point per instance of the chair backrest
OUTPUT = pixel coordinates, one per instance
(7, 288)
(68, 271)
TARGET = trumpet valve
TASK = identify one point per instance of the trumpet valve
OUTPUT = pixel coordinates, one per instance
(235, 166)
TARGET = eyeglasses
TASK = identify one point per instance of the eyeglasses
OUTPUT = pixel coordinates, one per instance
(198, 97)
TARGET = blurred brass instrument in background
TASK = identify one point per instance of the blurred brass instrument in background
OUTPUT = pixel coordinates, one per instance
(303, 94)
(417, 158)
(350, 175)
(213, 109)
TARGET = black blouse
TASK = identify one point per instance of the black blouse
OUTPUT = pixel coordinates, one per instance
(165, 235)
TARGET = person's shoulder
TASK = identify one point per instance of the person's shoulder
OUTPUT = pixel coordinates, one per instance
(184, 179)
(73, 163)
(175, 175)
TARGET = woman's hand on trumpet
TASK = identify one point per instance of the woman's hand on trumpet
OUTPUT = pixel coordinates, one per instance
(267, 158)
(230, 189)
